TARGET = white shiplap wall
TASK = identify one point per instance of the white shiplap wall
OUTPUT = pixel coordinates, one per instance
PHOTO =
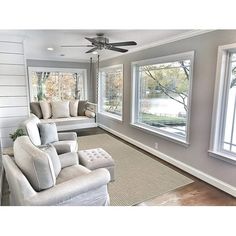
(13, 87)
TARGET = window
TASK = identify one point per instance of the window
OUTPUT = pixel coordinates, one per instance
(223, 139)
(161, 95)
(110, 96)
(53, 84)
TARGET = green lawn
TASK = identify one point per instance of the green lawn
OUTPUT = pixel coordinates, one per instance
(155, 120)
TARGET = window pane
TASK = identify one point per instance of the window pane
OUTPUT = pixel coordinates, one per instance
(54, 86)
(163, 96)
(230, 120)
(111, 90)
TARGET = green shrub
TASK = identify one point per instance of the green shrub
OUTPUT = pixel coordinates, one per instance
(19, 132)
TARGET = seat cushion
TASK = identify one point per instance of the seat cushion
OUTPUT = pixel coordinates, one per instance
(71, 172)
(35, 164)
(66, 146)
(56, 162)
(60, 109)
(48, 133)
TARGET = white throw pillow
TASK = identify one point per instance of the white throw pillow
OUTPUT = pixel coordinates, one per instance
(60, 109)
(46, 109)
(74, 107)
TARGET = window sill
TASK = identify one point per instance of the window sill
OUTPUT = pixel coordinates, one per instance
(222, 156)
(111, 116)
(162, 135)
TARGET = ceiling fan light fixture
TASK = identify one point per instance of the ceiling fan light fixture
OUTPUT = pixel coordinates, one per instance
(95, 52)
(50, 49)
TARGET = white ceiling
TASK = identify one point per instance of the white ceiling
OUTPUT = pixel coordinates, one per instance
(37, 42)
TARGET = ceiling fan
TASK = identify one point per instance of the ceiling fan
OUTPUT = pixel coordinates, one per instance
(100, 42)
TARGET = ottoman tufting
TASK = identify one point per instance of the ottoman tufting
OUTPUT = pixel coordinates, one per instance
(97, 158)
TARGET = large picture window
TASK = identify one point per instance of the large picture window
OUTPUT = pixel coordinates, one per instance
(53, 84)
(162, 94)
(223, 140)
(110, 97)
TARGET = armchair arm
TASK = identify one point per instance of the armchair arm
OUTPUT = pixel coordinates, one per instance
(67, 136)
(69, 159)
(70, 189)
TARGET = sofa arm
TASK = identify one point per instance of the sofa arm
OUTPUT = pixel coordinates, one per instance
(66, 191)
(67, 136)
(69, 159)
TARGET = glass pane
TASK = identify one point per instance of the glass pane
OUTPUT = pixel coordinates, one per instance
(226, 147)
(111, 88)
(233, 149)
(163, 96)
(54, 86)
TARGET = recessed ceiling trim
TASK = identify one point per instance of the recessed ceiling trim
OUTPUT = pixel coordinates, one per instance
(186, 35)
(61, 59)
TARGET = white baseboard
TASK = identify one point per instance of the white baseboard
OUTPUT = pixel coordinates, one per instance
(189, 169)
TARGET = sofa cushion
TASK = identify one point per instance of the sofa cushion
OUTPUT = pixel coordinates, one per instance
(48, 133)
(60, 109)
(31, 127)
(82, 107)
(35, 164)
(51, 151)
(36, 109)
(74, 108)
(46, 109)
(90, 114)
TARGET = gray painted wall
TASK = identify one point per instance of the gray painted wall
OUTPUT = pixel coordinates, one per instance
(64, 64)
(196, 155)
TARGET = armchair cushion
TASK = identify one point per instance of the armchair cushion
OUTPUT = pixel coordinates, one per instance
(48, 133)
(51, 151)
(35, 164)
(65, 146)
(69, 159)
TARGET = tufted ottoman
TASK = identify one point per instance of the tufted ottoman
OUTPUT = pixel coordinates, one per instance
(97, 158)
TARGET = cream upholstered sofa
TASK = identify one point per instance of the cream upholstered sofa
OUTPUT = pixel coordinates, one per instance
(67, 141)
(67, 115)
(39, 177)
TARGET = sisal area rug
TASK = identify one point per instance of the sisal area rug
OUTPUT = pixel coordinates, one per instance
(138, 177)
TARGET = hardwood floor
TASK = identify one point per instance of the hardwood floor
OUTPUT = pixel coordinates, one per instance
(198, 193)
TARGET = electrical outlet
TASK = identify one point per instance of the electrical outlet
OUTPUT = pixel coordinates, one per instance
(156, 145)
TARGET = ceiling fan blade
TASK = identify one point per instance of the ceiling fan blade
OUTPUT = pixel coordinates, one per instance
(118, 49)
(92, 50)
(75, 46)
(127, 43)
(92, 40)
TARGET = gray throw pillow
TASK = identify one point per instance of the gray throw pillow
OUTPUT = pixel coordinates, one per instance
(51, 151)
(48, 133)
(36, 109)
(82, 107)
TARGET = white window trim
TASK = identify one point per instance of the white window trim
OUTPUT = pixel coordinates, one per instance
(164, 134)
(100, 111)
(50, 69)
(220, 93)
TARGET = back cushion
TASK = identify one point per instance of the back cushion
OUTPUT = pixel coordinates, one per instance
(60, 109)
(35, 164)
(74, 108)
(82, 107)
(48, 133)
(51, 151)
(31, 127)
(36, 109)
(46, 109)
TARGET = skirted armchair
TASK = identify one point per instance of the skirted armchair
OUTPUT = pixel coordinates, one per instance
(38, 176)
